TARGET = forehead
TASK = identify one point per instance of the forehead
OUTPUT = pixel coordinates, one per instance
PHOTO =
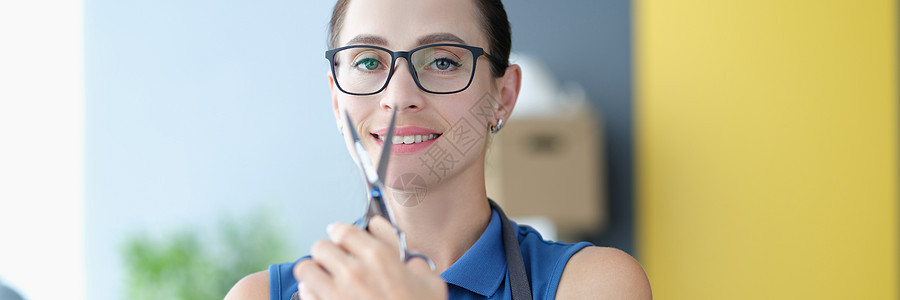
(405, 24)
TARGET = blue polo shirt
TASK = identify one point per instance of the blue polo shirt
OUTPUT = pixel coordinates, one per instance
(481, 272)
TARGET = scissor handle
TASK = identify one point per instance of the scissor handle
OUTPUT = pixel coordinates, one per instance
(407, 255)
(410, 256)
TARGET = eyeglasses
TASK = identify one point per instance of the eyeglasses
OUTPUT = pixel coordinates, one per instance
(438, 69)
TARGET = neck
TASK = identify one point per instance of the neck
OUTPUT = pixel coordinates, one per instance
(448, 220)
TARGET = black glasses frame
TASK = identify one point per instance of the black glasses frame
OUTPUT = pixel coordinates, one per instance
(476, 52)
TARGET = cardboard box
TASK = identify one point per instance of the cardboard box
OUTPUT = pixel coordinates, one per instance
(550, 167)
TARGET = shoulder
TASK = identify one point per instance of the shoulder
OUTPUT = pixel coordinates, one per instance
(602, 272)
(252, 287)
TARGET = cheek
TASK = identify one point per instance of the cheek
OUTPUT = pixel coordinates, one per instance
(467, 120)
(481, 100)
(468, 115)
(360, 109)
(353, 104)
(465, 137)
(478, 107)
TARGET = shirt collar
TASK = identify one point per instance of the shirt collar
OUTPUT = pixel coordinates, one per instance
(482, 268)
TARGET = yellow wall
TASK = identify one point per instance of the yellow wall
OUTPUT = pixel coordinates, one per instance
(767, 139)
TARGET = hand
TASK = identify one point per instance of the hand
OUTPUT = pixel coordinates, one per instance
(355, 264)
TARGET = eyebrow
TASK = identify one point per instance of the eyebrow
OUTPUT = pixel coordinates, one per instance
(368, 39)
(434, 38)
(440, 37)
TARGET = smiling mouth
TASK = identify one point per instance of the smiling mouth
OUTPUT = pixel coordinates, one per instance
(409, 139)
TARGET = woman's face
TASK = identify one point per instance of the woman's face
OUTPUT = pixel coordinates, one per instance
(444, 135)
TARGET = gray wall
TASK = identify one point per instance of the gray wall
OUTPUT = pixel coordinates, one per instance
(589, 42)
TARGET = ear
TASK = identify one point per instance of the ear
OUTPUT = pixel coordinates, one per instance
(509, 86)
(334, 102)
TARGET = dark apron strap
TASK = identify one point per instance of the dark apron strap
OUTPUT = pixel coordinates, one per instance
(520, 286)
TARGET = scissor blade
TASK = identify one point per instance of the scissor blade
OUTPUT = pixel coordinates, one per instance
(361, 154)
(353, 135)
(386, 149)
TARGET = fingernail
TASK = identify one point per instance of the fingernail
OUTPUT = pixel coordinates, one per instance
(330, 228)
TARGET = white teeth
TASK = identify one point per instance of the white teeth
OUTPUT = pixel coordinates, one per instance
(410, 139)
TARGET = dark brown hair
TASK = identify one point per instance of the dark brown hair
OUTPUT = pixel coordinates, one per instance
(494, 24)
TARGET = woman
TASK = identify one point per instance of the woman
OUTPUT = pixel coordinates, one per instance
(449, 99)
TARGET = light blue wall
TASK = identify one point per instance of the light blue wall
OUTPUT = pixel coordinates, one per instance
(197, 108)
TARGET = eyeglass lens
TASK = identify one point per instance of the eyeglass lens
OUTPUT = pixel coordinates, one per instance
(439, 69)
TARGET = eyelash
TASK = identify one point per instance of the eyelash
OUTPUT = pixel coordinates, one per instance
(447, 60)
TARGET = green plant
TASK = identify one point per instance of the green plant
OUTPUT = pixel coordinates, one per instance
(186, 264)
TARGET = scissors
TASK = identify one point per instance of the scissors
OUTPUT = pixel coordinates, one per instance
(377, 205)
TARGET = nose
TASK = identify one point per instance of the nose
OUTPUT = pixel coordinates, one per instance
(402, 93)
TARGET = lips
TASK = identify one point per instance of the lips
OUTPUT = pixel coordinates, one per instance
(408, 139)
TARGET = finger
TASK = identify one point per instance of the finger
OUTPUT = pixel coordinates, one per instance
(359, 243)
(314, 279)
(419, 266)
(331, 257)
(382, 229)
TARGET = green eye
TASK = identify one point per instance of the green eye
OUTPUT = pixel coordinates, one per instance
(367, 64)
